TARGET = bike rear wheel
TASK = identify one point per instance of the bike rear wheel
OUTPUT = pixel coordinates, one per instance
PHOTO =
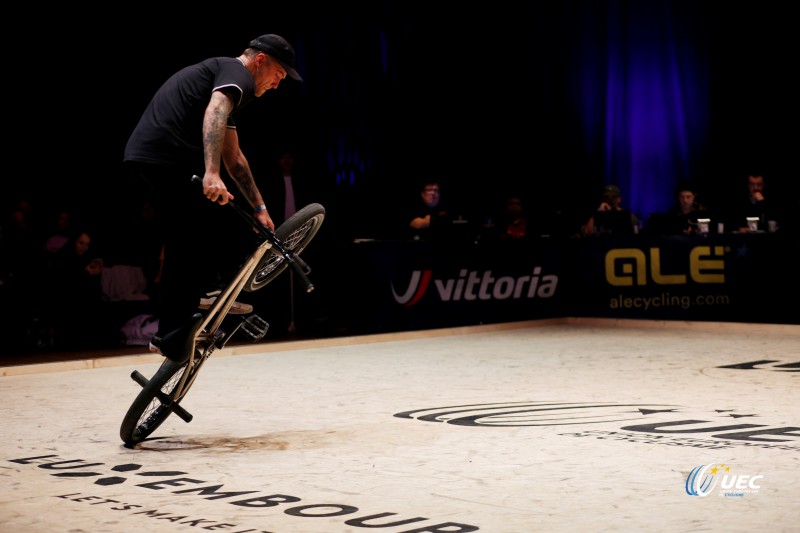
(152, 405)
(295, 234)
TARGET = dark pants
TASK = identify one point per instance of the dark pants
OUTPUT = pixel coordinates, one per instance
(204, 242)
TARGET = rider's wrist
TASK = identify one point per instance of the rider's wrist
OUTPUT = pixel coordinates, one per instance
(260, 208)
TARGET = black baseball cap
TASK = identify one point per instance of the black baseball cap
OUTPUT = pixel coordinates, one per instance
(280, 49)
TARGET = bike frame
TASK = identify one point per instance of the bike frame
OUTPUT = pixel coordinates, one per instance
(162, 393)
(212, 322)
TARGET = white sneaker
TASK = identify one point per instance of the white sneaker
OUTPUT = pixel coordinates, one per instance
(153, 347)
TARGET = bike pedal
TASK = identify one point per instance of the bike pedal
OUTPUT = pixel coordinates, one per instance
(254, 327)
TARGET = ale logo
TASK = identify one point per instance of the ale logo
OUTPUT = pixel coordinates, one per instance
(626, 267)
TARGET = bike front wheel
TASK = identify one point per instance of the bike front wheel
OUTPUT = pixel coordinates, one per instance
(295, 234)
(152, 405)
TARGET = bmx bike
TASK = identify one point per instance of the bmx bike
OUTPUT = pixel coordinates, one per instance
(211, 330)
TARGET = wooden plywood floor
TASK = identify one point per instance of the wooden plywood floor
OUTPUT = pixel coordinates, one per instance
(559, 425)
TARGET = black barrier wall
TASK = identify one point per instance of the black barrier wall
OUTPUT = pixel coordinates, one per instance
(734, 277)
(404, 285)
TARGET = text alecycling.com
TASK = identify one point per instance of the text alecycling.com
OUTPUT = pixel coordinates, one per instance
(666, 300)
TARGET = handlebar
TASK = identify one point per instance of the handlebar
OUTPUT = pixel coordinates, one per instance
(299, 267)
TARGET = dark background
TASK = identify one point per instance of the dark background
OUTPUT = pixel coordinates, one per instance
(552, 100)
(493, 98)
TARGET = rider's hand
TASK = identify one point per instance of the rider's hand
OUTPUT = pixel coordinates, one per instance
(215, 190)
(265, 219)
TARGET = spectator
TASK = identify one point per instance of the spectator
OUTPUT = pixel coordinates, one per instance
(289, 190)
(510, 224)
(286, 163)
(20, 243)
(610, 217)
(21, 272)
(428, 217)
(290, 187)
(60, 232)
(75, 294)
(754, 203)
(681, 218)
(136, 240)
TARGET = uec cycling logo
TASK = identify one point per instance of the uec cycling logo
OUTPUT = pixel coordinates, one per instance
(703, 479)
(700, 482)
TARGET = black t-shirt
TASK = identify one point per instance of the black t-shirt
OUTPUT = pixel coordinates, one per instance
(439, 225)
(615, 221)
(675, 222)
(170, 130)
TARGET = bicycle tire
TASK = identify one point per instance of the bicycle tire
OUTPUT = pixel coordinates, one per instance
(295, 234)
(148, 410)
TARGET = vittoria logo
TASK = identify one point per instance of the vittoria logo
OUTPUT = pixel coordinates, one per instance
(471, 285)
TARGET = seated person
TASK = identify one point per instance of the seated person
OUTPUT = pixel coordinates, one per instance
(429, 217)
(75, 292)
(755, 203)
(611, 218)
(681, 218)
(513, 223)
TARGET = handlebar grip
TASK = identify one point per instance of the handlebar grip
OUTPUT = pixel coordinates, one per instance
(302, 264)
(300, 268)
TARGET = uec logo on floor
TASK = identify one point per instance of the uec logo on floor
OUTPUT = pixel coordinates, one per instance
(703, 479)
